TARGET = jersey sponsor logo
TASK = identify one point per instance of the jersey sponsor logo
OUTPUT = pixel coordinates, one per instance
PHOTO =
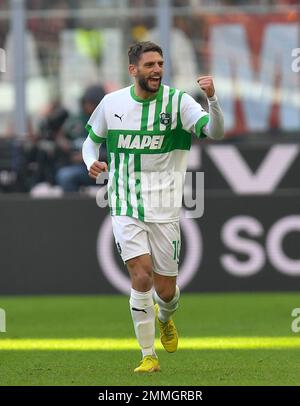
(165, 118)
(140, 142)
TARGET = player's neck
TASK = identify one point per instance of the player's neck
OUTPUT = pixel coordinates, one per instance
(143, 94)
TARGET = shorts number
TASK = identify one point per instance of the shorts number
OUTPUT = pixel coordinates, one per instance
(176, 246)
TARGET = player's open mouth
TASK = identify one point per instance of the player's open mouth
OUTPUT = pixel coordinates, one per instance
(155, 80)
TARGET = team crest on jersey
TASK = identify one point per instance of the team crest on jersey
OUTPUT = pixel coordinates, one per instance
(165, 118)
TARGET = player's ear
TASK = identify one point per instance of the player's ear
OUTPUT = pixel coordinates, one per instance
(132, 69)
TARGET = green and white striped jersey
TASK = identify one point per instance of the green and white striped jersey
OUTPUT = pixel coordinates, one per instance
(147, 146)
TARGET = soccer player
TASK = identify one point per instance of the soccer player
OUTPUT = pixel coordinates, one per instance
(147, 128)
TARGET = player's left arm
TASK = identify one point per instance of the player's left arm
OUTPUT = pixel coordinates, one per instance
(215, 127)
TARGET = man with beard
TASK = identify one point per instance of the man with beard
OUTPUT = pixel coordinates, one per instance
(147, 128)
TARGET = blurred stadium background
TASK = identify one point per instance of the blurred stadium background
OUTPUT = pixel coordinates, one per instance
(57, 60)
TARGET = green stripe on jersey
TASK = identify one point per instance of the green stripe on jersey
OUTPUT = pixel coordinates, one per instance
(138, 186)
(200, 124)
(179, 123)
(94, 137)
(145, 114)
(158, 107)
(126, 185)
(116, 176)
(169, 106)
(109, 190)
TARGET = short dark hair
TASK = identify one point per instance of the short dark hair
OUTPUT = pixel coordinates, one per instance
(136, 50)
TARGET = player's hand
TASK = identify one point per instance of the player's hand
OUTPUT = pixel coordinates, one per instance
(207, 85)
(97, 168)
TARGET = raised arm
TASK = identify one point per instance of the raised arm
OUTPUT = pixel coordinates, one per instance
(215, 127)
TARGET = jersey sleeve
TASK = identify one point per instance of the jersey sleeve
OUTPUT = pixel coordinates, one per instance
(193, 117)
(97, 126)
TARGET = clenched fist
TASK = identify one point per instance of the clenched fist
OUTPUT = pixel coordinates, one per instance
(97, 168)
(207, 85)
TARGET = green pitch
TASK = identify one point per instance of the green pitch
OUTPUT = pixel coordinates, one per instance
(225, 339)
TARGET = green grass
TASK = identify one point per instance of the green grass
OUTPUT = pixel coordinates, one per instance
(226, 339)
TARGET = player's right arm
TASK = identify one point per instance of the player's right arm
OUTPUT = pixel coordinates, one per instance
(90, 154)
(97, 133)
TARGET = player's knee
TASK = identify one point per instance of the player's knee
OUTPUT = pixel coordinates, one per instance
(141, 274)
(166, 294)
(137, 266)
(143, 281)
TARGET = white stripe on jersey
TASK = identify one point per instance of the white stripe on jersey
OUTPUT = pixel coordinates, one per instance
(111, 189)
(174, 109)
(122, 184)
(150, 123)
(165, 100)
(131, 181)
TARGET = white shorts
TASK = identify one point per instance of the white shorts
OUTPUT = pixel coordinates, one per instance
(160, 240)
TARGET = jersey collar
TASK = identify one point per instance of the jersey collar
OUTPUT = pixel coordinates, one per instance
(158, 95)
